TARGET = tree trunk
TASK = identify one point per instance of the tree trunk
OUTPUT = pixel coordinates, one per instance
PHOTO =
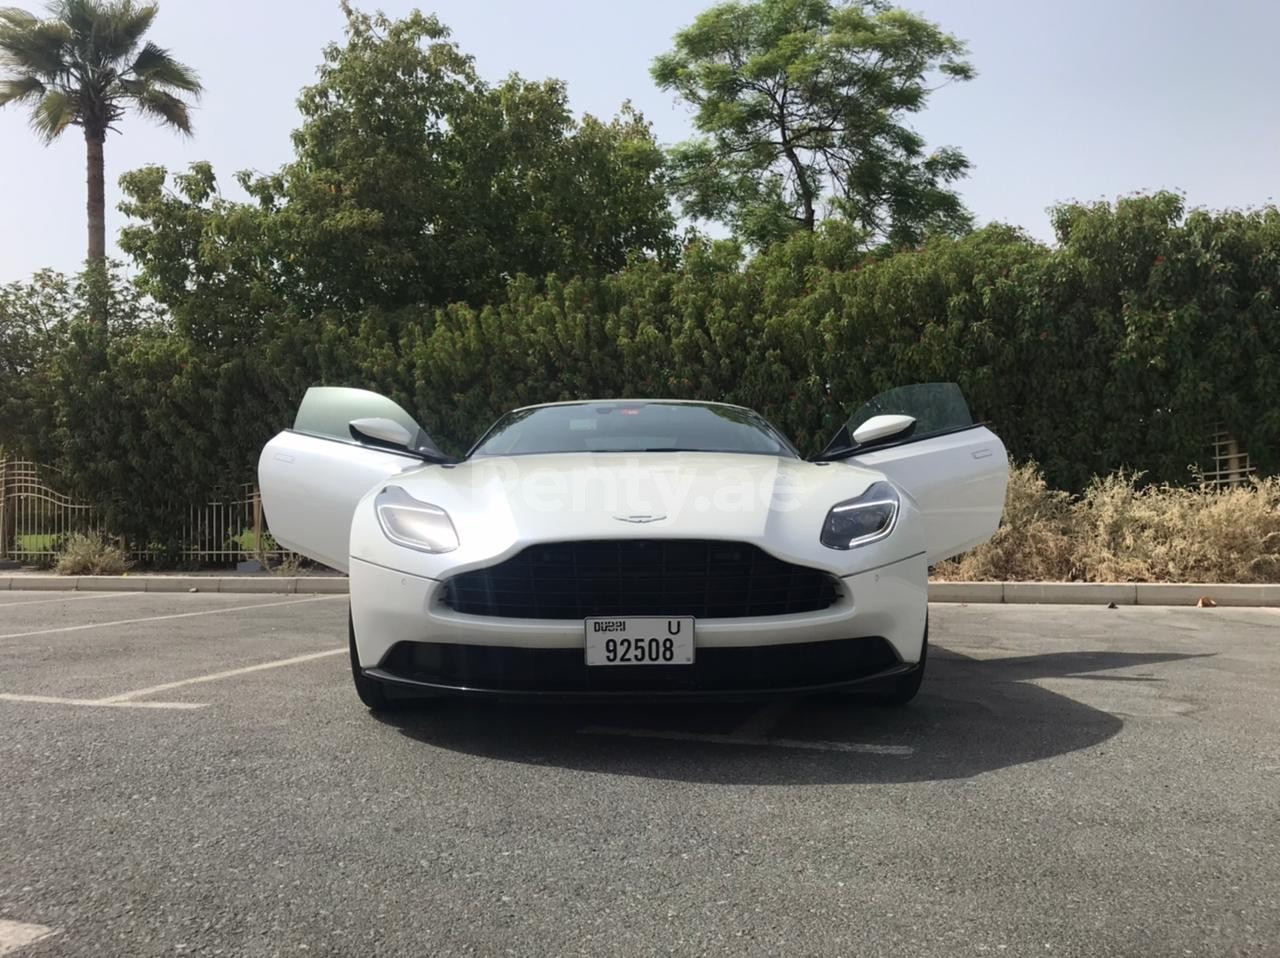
(96, 207)
(95, 176)
(802, 181)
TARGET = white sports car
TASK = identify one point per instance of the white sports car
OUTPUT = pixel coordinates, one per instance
(635, 547)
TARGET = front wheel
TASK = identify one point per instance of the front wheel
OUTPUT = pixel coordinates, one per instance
(372, 692)
(906, 686)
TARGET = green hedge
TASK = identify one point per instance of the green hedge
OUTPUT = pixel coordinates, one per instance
(1120, 346)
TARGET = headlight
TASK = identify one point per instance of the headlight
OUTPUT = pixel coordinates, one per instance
(868, 518)
(413, 524)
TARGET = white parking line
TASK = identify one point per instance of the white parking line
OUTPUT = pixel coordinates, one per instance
(99, 703)
(128, 697)
(160, 618)
(17, 934)
(735, 739)
(74, 598)
(128, 700)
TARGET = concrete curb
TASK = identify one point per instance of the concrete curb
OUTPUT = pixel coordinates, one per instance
(1092, 593)
(1101, 593)
(1037, 593)
(242, 584)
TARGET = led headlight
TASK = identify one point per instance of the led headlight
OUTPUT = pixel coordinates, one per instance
(868, 518)
(413, 524)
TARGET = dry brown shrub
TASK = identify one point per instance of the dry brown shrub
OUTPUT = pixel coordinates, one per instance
(1121, 531)
(1127, 533)
(90, 555)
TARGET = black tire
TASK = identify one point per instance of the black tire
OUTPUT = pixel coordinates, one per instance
(906, 686)
(372, 692)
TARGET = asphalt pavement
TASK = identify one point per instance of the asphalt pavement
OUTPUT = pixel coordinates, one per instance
(193, 774)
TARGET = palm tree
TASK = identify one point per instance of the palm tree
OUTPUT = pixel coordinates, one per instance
(82, 66)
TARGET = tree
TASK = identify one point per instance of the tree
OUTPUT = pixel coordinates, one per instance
(801, 105)
(414, 182)
(83, 67)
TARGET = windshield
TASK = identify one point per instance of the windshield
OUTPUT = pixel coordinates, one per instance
(632, 426)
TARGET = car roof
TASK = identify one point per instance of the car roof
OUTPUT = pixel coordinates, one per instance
(591, 402)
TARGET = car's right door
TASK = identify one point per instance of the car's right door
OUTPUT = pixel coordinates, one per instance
(312, 476)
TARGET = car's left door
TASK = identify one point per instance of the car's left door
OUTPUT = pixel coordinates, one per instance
(924, 439)
(312, 475)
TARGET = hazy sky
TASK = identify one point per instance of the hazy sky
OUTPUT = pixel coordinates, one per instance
(1082, 100)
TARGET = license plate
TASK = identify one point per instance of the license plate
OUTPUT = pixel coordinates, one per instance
(640, 640)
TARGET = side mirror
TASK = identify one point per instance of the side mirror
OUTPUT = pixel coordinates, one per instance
(878, 428)
(381, 431)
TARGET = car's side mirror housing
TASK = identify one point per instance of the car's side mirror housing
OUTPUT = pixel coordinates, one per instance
(879, 428)
(875, 431)
(380, 431)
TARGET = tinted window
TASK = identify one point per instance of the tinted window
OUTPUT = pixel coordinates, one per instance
(632, 427)
(937, 408)
(327, 410)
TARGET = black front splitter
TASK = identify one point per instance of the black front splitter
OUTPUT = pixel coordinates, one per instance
(407, 687)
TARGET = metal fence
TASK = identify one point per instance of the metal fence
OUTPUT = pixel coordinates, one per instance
(1228, 462)
(36, 519)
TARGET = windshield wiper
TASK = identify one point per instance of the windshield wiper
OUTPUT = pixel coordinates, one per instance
(660, 449)
(686, 449)
(696, 449)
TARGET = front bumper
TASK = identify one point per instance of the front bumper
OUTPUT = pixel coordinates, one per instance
(407, 637)
(427, 668)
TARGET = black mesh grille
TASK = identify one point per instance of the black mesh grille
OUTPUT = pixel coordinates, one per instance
(698, 577)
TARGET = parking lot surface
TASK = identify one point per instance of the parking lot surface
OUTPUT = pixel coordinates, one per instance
(192, 774)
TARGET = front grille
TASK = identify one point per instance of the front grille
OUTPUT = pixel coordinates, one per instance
(703, 578)
(549, 671)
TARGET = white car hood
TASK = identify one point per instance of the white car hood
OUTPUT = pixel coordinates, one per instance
(500, 504)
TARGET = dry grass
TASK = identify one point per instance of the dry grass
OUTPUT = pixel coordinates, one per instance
(90, 555)
(289, 566)
(1119, 531)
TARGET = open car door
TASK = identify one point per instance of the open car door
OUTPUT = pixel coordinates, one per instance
(924, 439)
(343, 443)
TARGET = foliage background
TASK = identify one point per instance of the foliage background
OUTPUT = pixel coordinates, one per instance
(1115, 349)
(467, 246)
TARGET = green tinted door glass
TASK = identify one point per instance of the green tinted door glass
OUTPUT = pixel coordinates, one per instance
(328, 410)
(936, 407)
